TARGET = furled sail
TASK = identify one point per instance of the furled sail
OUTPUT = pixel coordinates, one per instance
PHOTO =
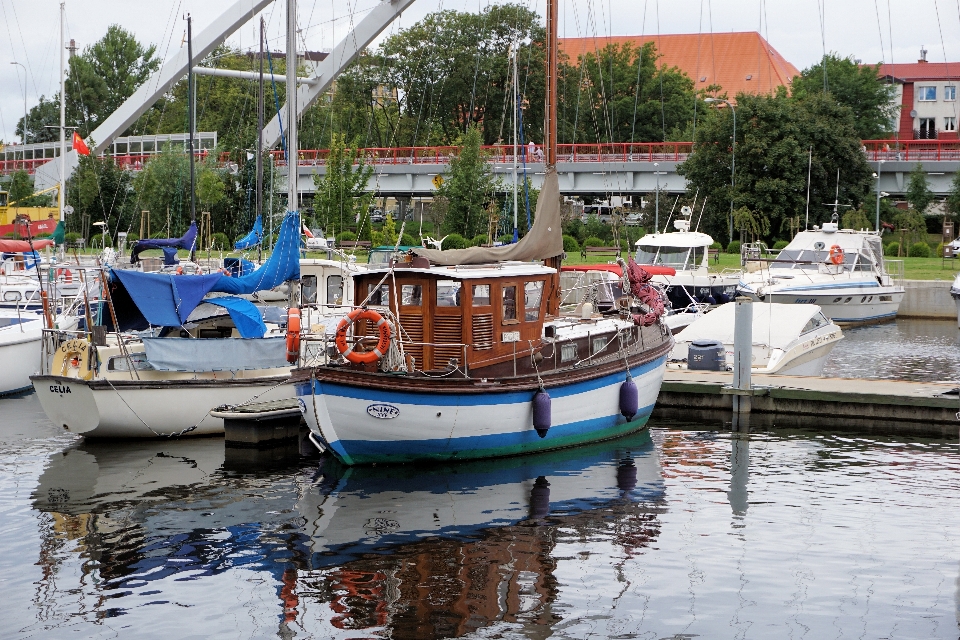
(253, 238)
(188, 241)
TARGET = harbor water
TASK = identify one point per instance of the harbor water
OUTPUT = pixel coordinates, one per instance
(684, 530)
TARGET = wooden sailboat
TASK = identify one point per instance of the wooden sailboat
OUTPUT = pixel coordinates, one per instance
(453, 355)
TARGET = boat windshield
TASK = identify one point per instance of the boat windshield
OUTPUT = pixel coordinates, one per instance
(811, 259)
(671, 256)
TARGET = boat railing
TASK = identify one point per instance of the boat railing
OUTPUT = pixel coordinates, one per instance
(895, 271)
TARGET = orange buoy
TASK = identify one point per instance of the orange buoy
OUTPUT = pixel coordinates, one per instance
(367, 357)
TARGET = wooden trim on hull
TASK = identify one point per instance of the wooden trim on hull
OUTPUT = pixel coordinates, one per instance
(122, 385)
(426, 384)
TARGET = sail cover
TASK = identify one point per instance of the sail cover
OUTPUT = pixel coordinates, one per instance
(282, 265)
(543, 241)
(22, 246)
(187, 242)
(253, 238)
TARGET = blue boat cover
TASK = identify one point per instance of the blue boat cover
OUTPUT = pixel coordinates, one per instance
(187, 242)
(170, 256)
(216, 354)
(238, 266)
(245, 315)
(282, 265)
(166, 300)
(253, 238)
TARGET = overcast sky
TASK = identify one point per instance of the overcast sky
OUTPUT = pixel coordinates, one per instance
(793, 27)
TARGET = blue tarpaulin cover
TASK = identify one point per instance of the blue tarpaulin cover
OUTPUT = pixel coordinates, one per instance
(253, 238)
(245, 315)
(166, 300)
(187, 242)
(216, 354)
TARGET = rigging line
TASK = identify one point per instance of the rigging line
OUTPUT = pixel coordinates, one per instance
(766, 44)
(695, 80)
(713, 44)
(946, 64)
(663, 112)
(821, 13)
(636, 93)
(476, 69)
(892, 68)
(876, 10)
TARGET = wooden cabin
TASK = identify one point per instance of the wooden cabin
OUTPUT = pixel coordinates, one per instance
(479, 315)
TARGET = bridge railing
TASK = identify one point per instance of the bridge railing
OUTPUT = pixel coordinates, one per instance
(911, 150)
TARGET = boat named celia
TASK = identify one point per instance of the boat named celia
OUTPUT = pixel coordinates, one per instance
(456, 355)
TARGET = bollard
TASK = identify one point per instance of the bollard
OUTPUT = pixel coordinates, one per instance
(742, 352)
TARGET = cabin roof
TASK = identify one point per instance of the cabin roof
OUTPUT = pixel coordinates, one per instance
(847, 239)
(474, 272)
(684, 239)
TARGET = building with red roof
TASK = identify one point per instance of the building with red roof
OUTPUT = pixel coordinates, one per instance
(737, 62)
(927, 96)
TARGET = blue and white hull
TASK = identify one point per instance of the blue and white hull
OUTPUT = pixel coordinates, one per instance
(369, 423)
(851, 302)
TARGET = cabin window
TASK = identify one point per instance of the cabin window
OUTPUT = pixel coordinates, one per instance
(533, 292)
(379, 296)
(696, 257)
(598, 345)
(334, 289)
(815, 322)
(448, 293)
(411, 295)
(568, 352)
(510, 304)
(11, 296)
(308, 289)
(481, 295)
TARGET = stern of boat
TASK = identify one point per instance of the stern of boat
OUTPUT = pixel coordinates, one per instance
(68, 402)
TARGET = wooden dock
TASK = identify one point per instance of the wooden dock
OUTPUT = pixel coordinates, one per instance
(886, 405)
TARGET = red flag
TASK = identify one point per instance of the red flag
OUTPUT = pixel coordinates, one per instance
(79, 145)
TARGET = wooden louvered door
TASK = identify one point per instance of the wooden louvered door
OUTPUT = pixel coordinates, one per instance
(412, 318)
(481, 312)
(447, 330)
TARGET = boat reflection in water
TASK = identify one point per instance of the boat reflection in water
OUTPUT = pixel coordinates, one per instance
(424, 552)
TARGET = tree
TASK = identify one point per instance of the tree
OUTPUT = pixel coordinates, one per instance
(43, 121)
(856, 86)
(103, 191)
(104, 75)
(953, 198)
(468, 188)
(750, 224)
(21, 186)
(856, 219)
(341, 193)
(164, 186)
(918, 190)
(629, 97)
(774, 135)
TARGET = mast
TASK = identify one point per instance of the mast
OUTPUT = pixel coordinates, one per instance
(550, 110)
(259, 199)
(63, 120)
(191, 117)
(516, 105)
(292, 155)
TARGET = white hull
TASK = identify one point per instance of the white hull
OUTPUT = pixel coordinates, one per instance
(848, 304)
(367, 426)
(123, 409)
(19, 355)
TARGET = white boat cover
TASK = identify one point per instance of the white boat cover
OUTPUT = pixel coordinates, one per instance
(220, 354)
(775, 325)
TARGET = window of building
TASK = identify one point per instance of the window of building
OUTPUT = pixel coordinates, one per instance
(926, 94)
(950, 93)
(950, 124)
(334, 289)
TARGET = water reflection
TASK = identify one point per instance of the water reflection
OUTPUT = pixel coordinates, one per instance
(418, 553)
(908, 349)
(739, 464)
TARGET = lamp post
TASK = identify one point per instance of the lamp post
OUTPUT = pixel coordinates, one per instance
(24, 99)
(656, 199)
(877, 176)
(733, 159)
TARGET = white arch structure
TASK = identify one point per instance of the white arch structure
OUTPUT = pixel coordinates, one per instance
(206, 41)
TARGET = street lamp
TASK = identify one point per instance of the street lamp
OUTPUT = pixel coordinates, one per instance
(877, 176)
(733, 158)
(24, 99)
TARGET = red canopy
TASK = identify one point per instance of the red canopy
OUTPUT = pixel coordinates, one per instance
(21, 246)
(615, 268)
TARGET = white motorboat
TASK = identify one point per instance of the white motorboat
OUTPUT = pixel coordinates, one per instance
(680, 262)
(21, 331)
(788, 339)
(841, 270)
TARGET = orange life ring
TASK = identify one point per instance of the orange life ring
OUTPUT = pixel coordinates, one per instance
(836, 254)
(368, 357)
(179, 270)
(65, 274)
(293, 334)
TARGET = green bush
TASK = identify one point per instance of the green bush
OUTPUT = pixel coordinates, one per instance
(717, 245)
(220, 241)
(780, 244)
(734, 247)
(507, 238)
(919, 250)
(455, 241)
(376, 238)
(570, 244)
(892, 249)
(132, 238)
(479, 239)
(408, 240)
(346, 236)
(71, 237)
(594, 241)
